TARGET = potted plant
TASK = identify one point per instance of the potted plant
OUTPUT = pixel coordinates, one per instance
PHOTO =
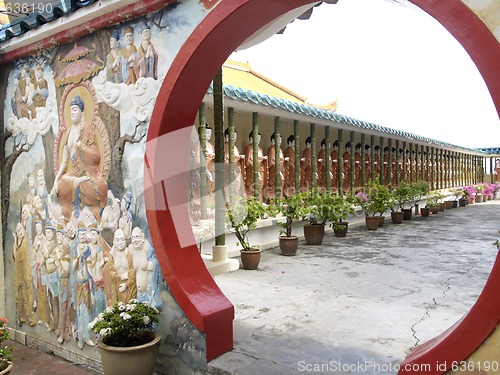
(457, 194)
(403, 195)
(339, 207)
(381, 198)
(363, 200)
(127, 339)
(321, 208)
(487, 192)
(241, 217)
(479, 189)
(471, 189)
(315, 215)
(5, 351)
(494, 188)
(433, 201)
(425, 211)
(292, 208)
(420, 189)
(468, 194)
(374, 203)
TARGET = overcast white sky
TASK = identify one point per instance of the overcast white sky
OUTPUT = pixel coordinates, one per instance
(386, 63)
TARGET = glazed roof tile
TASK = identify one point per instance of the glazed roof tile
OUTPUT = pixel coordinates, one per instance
(491, 150)
(30, 21)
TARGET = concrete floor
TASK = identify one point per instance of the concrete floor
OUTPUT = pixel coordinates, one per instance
(358, 305)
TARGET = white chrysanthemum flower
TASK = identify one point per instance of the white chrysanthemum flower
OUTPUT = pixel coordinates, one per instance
(146, 319)
(127, 316)
(109, 309)
(121, 306)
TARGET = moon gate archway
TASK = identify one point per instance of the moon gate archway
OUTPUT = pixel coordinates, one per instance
(229, 24)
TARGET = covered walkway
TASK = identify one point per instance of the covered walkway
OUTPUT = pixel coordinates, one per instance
(359, 304)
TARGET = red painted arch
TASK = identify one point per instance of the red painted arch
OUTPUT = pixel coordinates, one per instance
(222, 31)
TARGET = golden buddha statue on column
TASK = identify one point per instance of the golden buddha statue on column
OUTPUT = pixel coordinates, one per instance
(261, 167)
(346, 159)
(289, 167)
(306, 167)
(270, 189)
(334, 160)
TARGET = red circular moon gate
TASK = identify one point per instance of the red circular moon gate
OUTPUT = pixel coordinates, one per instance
(215, 38)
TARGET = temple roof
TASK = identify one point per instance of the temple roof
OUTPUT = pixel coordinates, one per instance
(260, 99)
(491, 150)
(18, 18)
(238, 74)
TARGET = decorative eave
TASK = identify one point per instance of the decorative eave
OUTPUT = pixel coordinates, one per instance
(490, 150)
(263, 100)
(71, 25)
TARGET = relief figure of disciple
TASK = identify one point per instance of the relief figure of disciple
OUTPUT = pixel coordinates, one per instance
(129, 57)
(114, 60)
(23, 278)
(147, 269)
(63, 263)
(147, 58)
(83, 288)
(122, 269)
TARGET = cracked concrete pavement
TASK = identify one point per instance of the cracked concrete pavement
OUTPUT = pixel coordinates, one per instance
(360, 304)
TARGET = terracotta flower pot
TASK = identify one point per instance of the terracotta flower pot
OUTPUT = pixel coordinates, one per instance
(434, 210)
(424, 212)
(131, 360)
(250, 258)
(397, 217)
(289, 245)
(407, 213)
(341, 229)
(371, 222)
(314, 233)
